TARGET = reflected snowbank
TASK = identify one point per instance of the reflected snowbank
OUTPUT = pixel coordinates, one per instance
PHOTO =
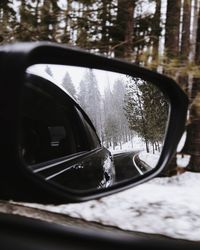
(149, 158)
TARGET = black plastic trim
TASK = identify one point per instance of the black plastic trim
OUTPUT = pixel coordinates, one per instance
(15, 59)
(18, 232)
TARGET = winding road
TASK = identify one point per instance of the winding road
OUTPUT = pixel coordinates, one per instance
(128, 165)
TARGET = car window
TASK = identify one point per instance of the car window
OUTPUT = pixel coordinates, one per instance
(50, 129)
(91, 133)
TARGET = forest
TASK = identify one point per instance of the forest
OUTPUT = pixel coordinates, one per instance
(163, 35)
(122, 108)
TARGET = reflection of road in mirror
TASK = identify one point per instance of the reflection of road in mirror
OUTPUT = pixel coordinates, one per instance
(124, 166)
(129, 163)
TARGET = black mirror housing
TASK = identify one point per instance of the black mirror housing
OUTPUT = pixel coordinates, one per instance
(16, 181)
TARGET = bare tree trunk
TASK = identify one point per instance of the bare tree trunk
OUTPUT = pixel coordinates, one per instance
(197, 55)
(195, 9)
(147, 146)
(185, 44)
(125, 28)
(172, 40)
(66, 36)
(192, 145)
(156, 31)
(129, 29)
(172, 28)
(183, 78)
(153, 148)
(158, 147)
(104, 48)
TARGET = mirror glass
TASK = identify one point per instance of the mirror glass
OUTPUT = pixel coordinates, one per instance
(85, 129)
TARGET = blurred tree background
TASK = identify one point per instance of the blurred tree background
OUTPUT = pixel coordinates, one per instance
(163, 35)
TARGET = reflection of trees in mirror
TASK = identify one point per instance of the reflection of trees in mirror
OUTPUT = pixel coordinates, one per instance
(68, 84)
(129, 114)
(115, 124)
(147, 112)
(105, 109)
(48, 71)
(90, 99)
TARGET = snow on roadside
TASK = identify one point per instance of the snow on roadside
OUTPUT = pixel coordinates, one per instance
(136, 144)
(149, 158)
(168, 206)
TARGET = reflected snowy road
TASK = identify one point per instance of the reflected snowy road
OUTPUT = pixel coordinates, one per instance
(124, 166)
(128, 165)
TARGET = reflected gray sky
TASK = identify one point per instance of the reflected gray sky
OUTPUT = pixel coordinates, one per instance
(104, 78)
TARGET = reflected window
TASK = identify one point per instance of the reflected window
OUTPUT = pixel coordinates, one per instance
(51, 128)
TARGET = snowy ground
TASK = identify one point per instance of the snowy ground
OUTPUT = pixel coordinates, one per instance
(167, 206)
(149, 158)
(136, 144)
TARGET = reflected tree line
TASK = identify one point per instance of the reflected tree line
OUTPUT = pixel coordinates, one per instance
(131, 107)
(146, 110)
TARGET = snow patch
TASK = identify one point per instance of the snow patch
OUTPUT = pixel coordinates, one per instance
(167, 206)
(136, 144)
(149, 158)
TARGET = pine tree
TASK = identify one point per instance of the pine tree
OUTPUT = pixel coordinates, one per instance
(185, 41)
(68, 84)
(197, 54)
(68, 29)
(123, 33)
(107, 117)
(49, 20)
(48, 71)
(105, 16)
(118, 103)
(134, 109)
(8, 22)
(156, 32)
(115, 123)
(172, 27)
(90, 98)
(146, 110)
(192, 146)
(87, 25)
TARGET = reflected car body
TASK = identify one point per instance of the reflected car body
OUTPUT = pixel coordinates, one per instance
(76, 170)
(81, 161)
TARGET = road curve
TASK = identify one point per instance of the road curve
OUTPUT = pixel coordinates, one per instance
(124, 166)
(128, 165)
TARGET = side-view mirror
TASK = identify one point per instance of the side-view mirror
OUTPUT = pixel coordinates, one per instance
(77, 126)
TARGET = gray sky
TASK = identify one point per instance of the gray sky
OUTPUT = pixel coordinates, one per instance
(104, 78)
